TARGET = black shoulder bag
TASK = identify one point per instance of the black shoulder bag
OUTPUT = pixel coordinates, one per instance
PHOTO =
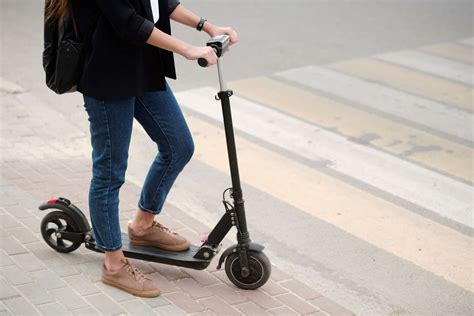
(63, 53)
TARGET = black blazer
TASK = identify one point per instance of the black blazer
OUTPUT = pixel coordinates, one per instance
(118, 61)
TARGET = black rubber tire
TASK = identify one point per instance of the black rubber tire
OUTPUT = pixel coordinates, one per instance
(260, 270)
(55, 217)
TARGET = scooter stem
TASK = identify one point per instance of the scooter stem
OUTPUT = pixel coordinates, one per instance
(222, 82)
(224, 96)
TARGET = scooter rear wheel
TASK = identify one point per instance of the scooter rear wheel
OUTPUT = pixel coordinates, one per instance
(260, 270)
(51, 227)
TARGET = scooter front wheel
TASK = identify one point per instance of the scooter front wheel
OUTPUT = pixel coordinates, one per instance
(52, 226)
(259, 266)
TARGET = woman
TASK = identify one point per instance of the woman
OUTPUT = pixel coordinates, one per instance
(129, 52)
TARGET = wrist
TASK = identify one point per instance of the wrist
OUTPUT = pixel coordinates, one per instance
(209, 28)
(184, 49)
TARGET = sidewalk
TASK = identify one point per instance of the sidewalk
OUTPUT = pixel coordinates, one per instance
(43, 156)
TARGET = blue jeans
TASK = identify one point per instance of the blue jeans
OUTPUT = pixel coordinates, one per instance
(111, 123)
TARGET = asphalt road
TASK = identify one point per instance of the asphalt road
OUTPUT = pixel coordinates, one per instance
(357, 261)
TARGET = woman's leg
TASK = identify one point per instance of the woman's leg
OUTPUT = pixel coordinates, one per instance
(161, 117)
(111, 124)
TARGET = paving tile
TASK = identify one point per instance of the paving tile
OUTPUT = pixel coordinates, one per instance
(321, 313)
(28, 262)
(7, 221)
(219, 306)
(205, 313)
(49, 279)
(202, 277)
(272, 288)
(19, 306)
(171, 273)
(69, 298)
(156, 301)
(104, 304)
(300, 289)
(5, 259)
(330, 307)
(137, 307)
(169, 310)
(92, 270)
(11, 246)
(75, 258)
(53, 309)
(164, 285)
(60, 267)
(193, 288)
(89, 311)
(227, 293)
(297, 303)
(35, 293)
(278, 275)
(33, 224)
(114, 293)
(18, 212)
(6, 290)
(81, 284)
(42, 251)
(4, 233)
(15, 275)
(261, 299)
(251, 308)
(282, 311)
(185, 302)
(221, 275)
(23, 234)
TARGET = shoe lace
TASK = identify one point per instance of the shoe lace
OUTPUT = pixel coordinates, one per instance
(137, 274)
(166, 229)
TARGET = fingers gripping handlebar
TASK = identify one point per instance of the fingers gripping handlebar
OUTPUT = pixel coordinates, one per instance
(219, 44)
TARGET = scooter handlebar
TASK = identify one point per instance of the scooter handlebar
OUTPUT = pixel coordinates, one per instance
(219, 44)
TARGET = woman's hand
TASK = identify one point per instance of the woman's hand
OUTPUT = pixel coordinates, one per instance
(214, 30)
(196, 52)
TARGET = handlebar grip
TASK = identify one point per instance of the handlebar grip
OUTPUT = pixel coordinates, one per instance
(202, 62)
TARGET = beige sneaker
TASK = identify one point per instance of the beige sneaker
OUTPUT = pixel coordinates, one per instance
(131, 280)
(159, 236)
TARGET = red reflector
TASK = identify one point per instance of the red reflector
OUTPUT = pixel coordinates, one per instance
(53, 201)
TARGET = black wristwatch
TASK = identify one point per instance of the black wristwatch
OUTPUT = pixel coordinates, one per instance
(201, 24)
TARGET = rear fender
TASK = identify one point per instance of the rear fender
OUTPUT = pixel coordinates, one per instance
(67, 207)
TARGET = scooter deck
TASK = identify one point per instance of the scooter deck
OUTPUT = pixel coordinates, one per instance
(155, 254)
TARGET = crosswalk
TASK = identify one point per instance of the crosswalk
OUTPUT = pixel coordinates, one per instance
(411, 81)
(401, 123)
(415, 110)
(431, 64)
(454, 51)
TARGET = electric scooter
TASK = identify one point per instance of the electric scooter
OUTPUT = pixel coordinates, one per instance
(65, 228)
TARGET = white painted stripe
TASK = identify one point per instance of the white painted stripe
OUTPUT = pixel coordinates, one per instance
(445, 196)
(431, 114)
(438, 66)
(467, 41)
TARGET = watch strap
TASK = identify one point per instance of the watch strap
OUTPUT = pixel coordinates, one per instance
(200, 25)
